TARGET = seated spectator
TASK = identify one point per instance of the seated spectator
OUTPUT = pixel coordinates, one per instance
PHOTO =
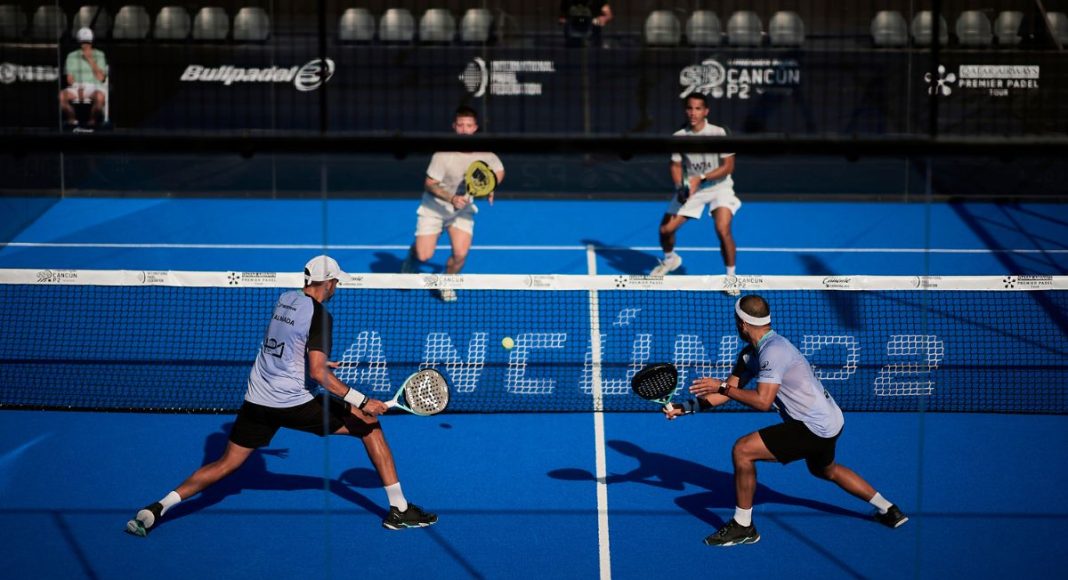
(583, 21)
(86, 74)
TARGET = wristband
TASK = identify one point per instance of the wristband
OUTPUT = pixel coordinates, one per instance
(356, 398)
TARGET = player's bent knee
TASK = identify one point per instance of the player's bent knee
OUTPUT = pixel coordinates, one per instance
(740, 451)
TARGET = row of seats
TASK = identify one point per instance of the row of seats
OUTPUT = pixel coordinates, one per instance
(973, 28)
(133, 23)
(888, 29)
(744, 28)
(397, 25)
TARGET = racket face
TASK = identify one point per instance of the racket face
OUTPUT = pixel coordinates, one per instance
(426, 392)
(479, 179)
(655, 381)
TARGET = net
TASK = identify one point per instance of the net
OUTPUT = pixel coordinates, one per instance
(184, 341)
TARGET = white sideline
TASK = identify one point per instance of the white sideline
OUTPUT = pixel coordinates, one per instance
(603, 541)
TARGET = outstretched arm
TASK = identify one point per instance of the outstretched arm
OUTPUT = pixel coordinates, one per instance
(319, 371)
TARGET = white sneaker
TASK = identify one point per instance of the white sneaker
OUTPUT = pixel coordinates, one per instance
(732, 288)
(447, 294)
(666, 266)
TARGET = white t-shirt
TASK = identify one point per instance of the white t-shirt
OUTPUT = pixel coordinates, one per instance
(279, 376)
(801, 396)
(696, 164)
(448, 169)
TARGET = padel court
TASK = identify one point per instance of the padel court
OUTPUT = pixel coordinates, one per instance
(519, 494)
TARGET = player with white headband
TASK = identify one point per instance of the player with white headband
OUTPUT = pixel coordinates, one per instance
(812, 421)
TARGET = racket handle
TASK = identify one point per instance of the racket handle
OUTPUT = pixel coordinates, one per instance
(391, 403)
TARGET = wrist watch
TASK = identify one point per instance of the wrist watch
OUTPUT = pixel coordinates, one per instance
(723, 388)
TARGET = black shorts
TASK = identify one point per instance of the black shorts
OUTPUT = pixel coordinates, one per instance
(792, 440)
(256, 425)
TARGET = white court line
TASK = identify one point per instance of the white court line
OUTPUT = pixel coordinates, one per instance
(604, 551)
(525, 248)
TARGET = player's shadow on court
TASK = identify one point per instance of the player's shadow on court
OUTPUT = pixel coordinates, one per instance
(843, 304)
(627, 260)
(668, 472)
(386, 263)
(254, 475)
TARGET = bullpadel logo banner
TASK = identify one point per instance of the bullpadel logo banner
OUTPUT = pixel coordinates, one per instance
(308, 77)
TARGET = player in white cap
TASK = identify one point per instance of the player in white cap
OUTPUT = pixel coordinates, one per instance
(86, 73)
(297, 347)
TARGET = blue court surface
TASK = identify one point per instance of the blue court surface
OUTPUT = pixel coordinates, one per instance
(517, 493)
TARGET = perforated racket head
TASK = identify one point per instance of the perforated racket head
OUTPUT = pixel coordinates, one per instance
(479, 179)
(426, 392)
(655, 381)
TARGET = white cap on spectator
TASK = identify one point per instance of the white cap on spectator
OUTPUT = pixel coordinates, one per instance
(323, 268)
(85, 35)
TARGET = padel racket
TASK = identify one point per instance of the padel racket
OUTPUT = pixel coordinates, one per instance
(426, 393)
(656, 383)
(479, 179)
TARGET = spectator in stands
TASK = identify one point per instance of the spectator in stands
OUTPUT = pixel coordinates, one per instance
(583, 21)
(86, 73)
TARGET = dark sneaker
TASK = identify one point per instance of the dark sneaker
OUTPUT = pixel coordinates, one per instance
(144, 520)
(733, 534)
(893, 518)
(413, 517)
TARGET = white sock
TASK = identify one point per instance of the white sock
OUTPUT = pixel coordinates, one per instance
(170, 500)
(396, 497)
(880, 502)
(743, 517)
(730, 270)
(670, 255)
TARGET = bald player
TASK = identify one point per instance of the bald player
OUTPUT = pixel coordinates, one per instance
(701, 179)
(445, 205)
(812, 421)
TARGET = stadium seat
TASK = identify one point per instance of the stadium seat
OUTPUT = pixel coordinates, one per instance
(49, 23)
(786, 29)
(12, 21)
(356, 25)
(662, 28)
(131, 23)
(211, 23)
(172, 23)
(396, 25)
(922, 29)
(889, 28)
(703, 29)
(476, 26)
(973, 29)
(744, 28)
(251, 24)
(93, 17)
(437, 25)
(1007, 28)
(1058, 22)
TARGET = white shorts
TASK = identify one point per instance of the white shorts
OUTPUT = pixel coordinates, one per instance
(432, 222)
(84, 92)
(715, 196)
